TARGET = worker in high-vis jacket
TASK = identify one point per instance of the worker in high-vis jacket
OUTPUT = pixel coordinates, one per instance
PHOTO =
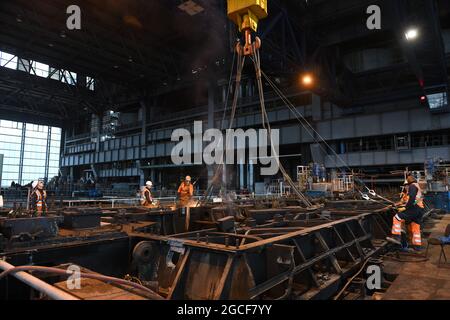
(185, 192)
(146, 194)
(410, 212)
(38, 198)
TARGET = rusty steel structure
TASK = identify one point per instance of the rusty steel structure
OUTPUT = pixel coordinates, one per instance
(252, 249)
(306, 256)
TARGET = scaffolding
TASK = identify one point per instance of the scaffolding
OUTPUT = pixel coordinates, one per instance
(279, 188)
(343, 182)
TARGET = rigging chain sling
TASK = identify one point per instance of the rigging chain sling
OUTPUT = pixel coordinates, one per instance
(266, 124)
(219, 169)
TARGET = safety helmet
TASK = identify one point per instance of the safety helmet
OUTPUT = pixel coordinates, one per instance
(149, 184)
(188, 178)
(35, 183)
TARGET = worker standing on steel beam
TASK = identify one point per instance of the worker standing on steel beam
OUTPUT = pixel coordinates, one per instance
(146, 194)
(185, 192)
(38, 198)
(411, 214)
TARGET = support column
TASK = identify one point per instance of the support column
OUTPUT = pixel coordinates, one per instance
(211, 118)
(98, 132)
(250, 176)
(224, 93)
(144, 112)
(47, 153)
(249, 88)
(141, 173)
(143, 142)
(22, 151)
(241, 176)
(316, 107)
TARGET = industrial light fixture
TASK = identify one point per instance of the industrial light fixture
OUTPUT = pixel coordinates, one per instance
(190, 7)
(307, 79)
(63, 34)
(411, 34)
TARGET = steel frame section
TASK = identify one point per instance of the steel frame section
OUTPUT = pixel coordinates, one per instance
(265, 263)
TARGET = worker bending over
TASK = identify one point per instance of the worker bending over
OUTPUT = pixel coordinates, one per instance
(411, 214)
(185, 192)
(38, 198)
(146, 194)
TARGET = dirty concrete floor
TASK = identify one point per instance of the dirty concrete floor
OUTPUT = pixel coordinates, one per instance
(422, 280)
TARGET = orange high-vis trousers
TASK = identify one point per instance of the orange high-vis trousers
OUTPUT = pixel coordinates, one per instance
(414, 229)
(396, 225)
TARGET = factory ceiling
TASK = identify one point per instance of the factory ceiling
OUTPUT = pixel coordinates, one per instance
(137, 48)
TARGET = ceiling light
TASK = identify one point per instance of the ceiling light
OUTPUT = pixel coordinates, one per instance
(411, 34)
(63, 34)
(307, 79)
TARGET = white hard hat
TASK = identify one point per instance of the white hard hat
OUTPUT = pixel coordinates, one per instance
(34, 184)
(149, 184)
(188, 178)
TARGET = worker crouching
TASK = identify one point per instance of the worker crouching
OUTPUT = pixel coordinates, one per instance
(38, 199)
(410, 212)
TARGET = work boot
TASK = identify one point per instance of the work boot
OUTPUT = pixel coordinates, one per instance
(395, 240)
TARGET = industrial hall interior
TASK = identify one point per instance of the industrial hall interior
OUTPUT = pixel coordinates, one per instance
(224, 150)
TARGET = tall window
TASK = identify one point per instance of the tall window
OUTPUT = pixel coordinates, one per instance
(35, 154)
(54, 156)
(30, 151)
(10, 147)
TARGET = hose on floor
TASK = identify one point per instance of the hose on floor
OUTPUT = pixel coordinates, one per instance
(98, 277)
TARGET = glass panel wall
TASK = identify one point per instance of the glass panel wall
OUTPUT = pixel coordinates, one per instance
(30, 152)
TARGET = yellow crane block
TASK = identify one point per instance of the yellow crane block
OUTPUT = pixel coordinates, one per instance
(247, 13)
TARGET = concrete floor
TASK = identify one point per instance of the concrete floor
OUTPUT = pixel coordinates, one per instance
(422, 280)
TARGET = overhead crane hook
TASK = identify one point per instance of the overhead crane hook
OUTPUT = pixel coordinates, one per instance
(246, 15)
